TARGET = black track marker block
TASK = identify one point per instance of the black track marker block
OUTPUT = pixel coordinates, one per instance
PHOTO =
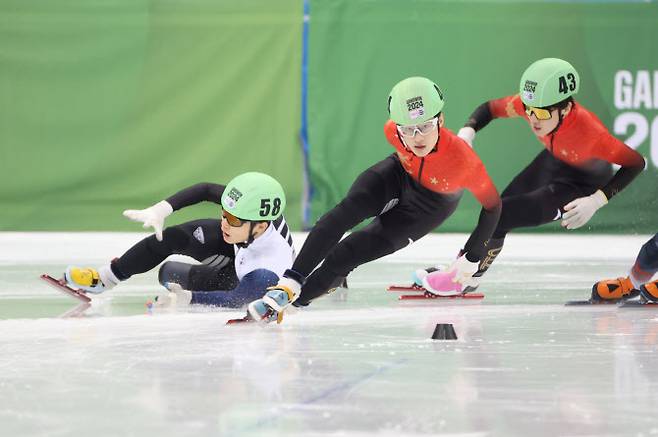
(444, 331)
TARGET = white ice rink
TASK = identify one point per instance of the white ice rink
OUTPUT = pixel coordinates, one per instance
(354, 363)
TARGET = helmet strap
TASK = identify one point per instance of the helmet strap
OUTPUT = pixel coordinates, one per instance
(560, 118)
(250, 239)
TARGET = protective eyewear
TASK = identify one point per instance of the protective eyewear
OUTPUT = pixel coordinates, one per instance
(423, 128)
(232, 220)
(540, 113)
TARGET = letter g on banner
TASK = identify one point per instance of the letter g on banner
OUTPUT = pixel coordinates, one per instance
(636, 92)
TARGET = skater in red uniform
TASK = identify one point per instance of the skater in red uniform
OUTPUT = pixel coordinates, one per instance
(572, 177)
(409, 193)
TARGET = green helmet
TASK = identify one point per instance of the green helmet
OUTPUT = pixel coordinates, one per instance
(547, 82)
(254, 196)
(414, 100)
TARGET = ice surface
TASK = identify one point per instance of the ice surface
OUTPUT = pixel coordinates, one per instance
(354, 363)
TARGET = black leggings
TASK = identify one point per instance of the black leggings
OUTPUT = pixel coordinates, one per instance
(647, 259)
(538, 194)
(199, 239)
(404, 212)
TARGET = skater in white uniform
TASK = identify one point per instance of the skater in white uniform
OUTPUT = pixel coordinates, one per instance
(238, 258)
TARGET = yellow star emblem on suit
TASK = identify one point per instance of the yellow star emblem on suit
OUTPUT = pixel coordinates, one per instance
(434, 180)
(509, 109)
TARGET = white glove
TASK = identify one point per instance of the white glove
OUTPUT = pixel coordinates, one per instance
(580, 210)
(176, 297)
(464, 270)
(275, 302)
(467, 134)
(153, 216)
(282, 294)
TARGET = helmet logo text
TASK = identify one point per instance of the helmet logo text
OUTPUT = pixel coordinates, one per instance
(529, 90)
(232, 197)
(415, 107)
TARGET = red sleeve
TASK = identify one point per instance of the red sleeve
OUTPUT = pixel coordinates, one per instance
(482, 187)
(505, 107)
(613, 150)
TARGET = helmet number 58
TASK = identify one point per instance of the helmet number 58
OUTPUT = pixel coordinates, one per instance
(268, 206)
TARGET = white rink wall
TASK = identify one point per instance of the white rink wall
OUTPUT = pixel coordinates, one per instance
(19, 248)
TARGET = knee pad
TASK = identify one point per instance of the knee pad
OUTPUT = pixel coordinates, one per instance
(175, 272)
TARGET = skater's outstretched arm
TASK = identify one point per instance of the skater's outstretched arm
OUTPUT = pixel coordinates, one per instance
(480, 117)
(610, 149)
(203, 192)
(510, 106)
(615, 151)
(474, 250)
(154, 216)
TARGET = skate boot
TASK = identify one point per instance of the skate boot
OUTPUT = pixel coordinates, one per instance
(441, 284)
(494, 247)
(614, 290)
(89, 279)
(261, 312)
(272, 305)
(420, 274)
(475, 283)
(649, 292)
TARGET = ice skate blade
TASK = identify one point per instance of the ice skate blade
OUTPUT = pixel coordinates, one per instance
(61, 286)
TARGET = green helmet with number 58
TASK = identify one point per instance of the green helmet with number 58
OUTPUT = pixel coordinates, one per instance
(254, 196)
(547, 82)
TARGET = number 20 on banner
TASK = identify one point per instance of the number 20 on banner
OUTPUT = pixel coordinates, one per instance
(635, 91)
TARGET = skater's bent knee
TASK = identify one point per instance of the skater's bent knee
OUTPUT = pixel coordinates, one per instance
(174, 272)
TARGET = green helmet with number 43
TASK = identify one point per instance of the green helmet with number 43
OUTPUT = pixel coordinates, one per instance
(254, 196)
(547, 82)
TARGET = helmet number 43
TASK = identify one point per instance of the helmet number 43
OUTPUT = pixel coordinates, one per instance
(269, 205)
(566, 87)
